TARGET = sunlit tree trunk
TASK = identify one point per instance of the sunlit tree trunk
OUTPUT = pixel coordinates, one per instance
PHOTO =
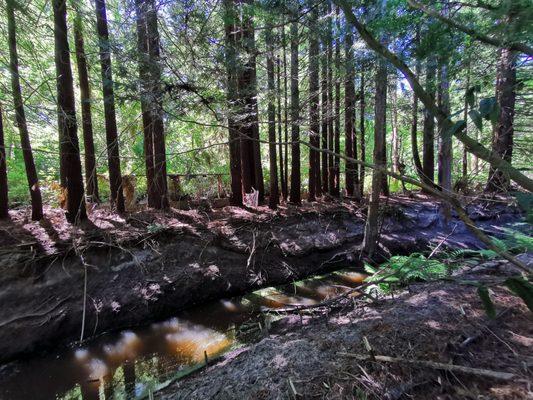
(3, 172)
(113, 157)
(29, 163)
(91, 181)
(371, 237)
(314, 117)
(230, 19)
(70, 162)
(502, 137)
(274, 192)
(295, 195)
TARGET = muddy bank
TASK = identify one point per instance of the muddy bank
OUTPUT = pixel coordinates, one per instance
(171, 262)
(304, 356)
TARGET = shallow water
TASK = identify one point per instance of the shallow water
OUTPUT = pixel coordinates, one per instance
(130, 363)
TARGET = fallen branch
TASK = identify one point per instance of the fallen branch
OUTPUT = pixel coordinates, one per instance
(487, 373)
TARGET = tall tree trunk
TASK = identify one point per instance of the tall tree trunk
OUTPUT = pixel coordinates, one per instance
(414, 130)
(70, 162)
(113, 157)
(274, 192)
(230, 19)
(249, 94)
(91, 181)
(349, 116)
(371, 236)
(502, 137)
(445, 142)
(295, 195)
(428, 162)
(151, 104)
(383, 143)
(465, 118)
(4, 210)
(280, 129)
(325, 115)
(362, 131)
(31, 171)
(314, 117)
(394, 124)
(331, 116)
(337, 131)
(285, 190)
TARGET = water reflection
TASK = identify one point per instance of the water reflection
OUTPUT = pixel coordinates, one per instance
(124, 365)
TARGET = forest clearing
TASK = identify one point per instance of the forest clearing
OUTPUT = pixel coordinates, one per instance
(266, 199)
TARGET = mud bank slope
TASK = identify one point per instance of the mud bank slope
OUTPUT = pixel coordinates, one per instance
(184, 261)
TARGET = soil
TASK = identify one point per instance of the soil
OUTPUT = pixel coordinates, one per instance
(302, 356)
(148, 265)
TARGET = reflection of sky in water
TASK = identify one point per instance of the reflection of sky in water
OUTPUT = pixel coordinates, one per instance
(124, 365)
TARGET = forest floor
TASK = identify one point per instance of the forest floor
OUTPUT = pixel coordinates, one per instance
(309, 354)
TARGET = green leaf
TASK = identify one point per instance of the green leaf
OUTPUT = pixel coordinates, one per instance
(476, 118)
(522, 289)
(484, 295)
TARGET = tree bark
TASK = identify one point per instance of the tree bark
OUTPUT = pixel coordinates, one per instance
(362, 131)
(274, 192)
(337, 130)
(314, 117)
(4, 209)
(394, 124)
(282, 183)
(91, 181)
(70, 162)
(428, 162)
(502, 136)
(351, 171)
(445, 140)
(371, 236)
(285, 189)
(151, 104)
(230, 19)
(325, 114)
(331, 116)
(465, 117)
(414, 130)
(113, 156)
(29, 163)
(295, 195)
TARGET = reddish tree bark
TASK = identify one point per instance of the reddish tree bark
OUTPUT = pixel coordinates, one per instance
(70, 162)
(29, 163)
(113, 156)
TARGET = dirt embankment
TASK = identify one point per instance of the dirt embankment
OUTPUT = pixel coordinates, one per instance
(307, 356)
(151, 265)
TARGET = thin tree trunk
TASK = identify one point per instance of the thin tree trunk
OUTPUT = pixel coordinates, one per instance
(280, 128)
(502, 139)
(445, 147)
(295, 195)
(428, 162)
(70, 162)
(274, 192)
(325, 115)
(465, 117)
(91, 182)
(337, 131)
(394, 123)
(4, 209)
(314, 117)
(113, 157)
(414, 130)
(285, 190)
(349, 117)
(230, 19)
(29, 163)
(362, 131)
(383, 143)
(371, 236)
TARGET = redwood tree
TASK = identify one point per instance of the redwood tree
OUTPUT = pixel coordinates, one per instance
(314, 117)
(70, 163)
(349, 117)
(113, 156)
(295, 195)
(91, 181)
(274, 191)
(428, 161)
(31, 171)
